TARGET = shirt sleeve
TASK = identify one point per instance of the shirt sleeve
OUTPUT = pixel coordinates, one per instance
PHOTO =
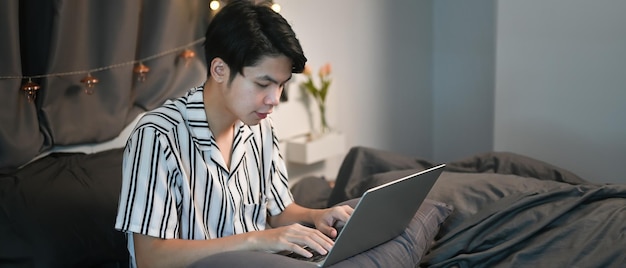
(148, 195)
(279, 196)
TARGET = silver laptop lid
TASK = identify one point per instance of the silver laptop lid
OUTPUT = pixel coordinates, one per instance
(382, 213)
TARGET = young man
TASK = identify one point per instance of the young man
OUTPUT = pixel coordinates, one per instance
(202, 174)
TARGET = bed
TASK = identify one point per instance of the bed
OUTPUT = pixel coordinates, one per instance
(489, 210)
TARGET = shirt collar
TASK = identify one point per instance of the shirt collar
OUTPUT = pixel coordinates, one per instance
(195, 117)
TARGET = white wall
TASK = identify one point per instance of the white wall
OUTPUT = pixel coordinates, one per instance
(381, 96)
(560, 91)
(446, 79)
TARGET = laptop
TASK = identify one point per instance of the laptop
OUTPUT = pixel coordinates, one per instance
(381, 214)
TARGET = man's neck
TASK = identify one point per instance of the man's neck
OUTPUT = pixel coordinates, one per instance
(221, 123)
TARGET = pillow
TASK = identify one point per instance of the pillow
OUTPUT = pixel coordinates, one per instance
(311, 192)
(514, 164)
(361, 169)
(471, 193)
(59, 211)
(406, 250)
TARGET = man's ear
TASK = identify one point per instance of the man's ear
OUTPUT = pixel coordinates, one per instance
(219, 70)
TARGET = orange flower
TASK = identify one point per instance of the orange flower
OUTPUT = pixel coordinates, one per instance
(307, 70)
(325, 70)
(319, 93)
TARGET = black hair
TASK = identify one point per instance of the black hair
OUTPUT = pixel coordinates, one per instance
(241, 33)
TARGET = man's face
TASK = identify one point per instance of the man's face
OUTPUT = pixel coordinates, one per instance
(251, 97)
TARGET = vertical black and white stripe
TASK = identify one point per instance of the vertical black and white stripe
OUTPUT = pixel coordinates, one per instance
(177, 185)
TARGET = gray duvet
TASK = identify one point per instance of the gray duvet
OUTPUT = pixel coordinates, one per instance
(512, 221)
(509, 210)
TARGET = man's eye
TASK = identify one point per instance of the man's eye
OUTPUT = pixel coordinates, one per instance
(263, 85)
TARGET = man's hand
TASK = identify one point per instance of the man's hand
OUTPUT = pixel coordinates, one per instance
(157, 252)
(327, 220)
(293, 238)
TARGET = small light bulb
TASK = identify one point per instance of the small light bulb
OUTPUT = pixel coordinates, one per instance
(214, 5)
(276, 8)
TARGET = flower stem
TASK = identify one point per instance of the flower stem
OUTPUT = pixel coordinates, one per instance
(324, 124)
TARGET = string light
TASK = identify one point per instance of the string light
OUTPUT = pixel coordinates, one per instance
(89, 82)
(30, 88)
(214, 5)
(187, 55)
(276, 8)
(141, 70)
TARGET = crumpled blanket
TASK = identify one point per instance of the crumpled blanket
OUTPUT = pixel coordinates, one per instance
(510, 210)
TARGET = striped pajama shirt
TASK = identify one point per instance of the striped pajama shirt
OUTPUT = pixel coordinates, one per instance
(176, 183)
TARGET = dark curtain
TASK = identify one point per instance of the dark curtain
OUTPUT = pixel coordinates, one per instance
(58, 43)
